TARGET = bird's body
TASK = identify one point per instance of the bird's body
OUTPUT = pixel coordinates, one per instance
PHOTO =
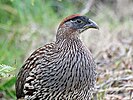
(64, 70)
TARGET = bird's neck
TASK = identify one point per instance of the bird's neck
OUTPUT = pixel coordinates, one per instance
(67, 38)
(68, 42)
(67, 33)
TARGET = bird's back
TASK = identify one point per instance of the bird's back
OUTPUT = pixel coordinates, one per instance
(31, 63)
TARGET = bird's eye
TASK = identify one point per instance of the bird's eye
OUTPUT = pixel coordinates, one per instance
(79, 21)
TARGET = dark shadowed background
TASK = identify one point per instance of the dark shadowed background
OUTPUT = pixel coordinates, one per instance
(26, 25)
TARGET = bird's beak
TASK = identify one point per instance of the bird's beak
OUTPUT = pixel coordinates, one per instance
(91, 24)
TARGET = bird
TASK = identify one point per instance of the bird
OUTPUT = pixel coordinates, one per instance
(62, 70)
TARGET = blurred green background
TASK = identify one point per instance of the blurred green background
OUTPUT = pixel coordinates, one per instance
(26, 25)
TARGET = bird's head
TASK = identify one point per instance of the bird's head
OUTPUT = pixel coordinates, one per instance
(75, 24)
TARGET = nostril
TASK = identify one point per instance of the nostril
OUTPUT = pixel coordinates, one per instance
(89, 22)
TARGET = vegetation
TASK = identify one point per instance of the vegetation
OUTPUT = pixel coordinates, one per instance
(28, 24)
